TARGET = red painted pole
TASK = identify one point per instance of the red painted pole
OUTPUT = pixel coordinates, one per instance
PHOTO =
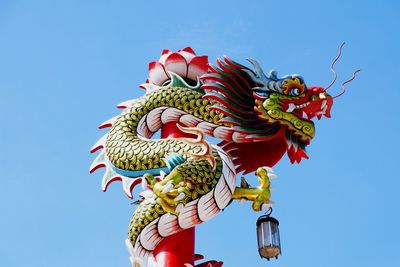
(177, 249)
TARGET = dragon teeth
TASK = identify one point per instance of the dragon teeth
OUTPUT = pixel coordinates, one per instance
(323, 105)
(324, 109)
(303, 105)
(291, 107)
(305, 115)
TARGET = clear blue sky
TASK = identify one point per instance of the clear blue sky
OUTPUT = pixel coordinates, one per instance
(64, 65)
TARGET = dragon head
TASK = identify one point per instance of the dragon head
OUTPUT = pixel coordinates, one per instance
(289, 102)
(270, 116)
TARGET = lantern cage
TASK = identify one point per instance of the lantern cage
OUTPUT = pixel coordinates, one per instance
(269, 245)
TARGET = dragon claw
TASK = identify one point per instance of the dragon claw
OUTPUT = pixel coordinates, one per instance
(162, 175)
(145, 184)
(167, 188)
(179, 208)
(268, 169)
(272, 176)
(259, 195)
(180, 196)
(149, 181)
(170, 191)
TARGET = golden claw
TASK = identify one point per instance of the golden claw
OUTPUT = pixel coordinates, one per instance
(259, 195)
(169, 190)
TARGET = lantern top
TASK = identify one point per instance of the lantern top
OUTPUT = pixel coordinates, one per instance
(267, 218)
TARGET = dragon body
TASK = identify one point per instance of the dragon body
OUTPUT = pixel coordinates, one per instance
(259, 118)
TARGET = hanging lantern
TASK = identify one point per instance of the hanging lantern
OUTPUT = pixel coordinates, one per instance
(269, 244)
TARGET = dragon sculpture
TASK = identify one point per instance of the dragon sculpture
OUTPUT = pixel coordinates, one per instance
(258, 117)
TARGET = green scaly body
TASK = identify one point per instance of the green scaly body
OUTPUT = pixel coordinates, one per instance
(127, 151)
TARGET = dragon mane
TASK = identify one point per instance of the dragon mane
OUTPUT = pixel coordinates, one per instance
(232, 85)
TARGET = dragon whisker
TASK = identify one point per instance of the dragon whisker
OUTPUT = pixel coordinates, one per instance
(333, 64)
(345, 82)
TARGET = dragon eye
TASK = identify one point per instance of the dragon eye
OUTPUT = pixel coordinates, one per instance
(294, 91)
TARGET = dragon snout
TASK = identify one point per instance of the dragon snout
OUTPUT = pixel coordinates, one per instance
(320, 104)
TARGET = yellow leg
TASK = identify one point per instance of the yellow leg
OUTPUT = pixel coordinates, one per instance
(259, 195)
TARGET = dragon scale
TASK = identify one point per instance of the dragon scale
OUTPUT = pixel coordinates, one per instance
(147, 115)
